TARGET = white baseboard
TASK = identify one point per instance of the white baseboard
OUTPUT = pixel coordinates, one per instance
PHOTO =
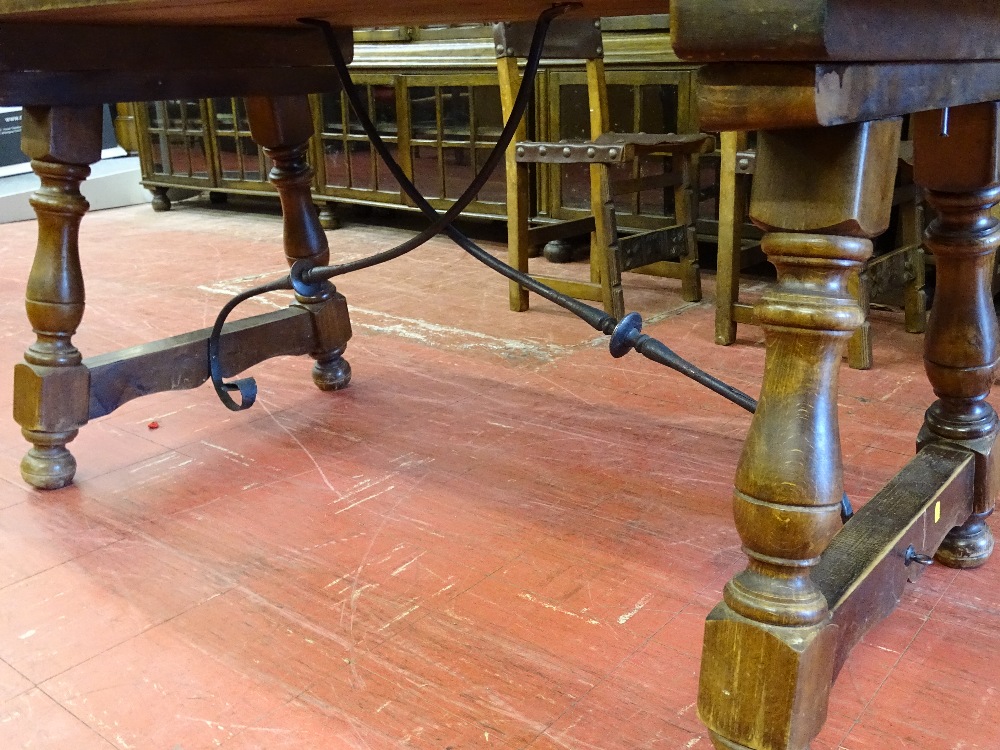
(112, 183)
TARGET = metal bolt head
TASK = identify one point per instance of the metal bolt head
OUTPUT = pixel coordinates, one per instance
(743, 163)
(520, 150)
(912, 556)
(591, 152)
(499, 49)
(567, 151)
(613, 153)
(510, 50)
(542, 150)
(600, 50)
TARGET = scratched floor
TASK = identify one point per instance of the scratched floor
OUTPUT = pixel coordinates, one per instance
(497, 537)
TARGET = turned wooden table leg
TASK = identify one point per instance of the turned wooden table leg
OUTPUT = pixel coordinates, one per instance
(769, 649)
(283, 126)
(958, 166)
(51, 387)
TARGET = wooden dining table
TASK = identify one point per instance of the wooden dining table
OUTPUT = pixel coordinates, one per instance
(827, 83)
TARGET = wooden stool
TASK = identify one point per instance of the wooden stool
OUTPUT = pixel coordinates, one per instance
(670, 251)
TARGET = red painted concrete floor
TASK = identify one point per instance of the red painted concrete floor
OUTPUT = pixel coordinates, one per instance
(497, 537)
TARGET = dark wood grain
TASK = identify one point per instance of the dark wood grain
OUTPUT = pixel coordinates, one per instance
(345, 12)
(845, 30)
(70, 65)
(71, 89)
(50, 401)
(959, 164)
(181, 362)
(774, 95)
(282, 125)
(27, 46)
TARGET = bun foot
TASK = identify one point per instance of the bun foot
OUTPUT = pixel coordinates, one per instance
(967, 546)
(161, 202)
(566, 250)
(331, 374)
(48, 467)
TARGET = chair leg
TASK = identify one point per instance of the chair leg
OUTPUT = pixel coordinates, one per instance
(684, 211)
(915, 294)
(732, 199)
(859, 348)
(598, 245)
(518, 194)
(604, 248)
(517, 228)
(911, 220)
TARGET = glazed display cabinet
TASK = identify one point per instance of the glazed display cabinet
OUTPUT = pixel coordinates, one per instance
(434, 96)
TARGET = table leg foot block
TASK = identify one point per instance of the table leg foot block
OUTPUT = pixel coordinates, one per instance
(332, 331)
(781, 707)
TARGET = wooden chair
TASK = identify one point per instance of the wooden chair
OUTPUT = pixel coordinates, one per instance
(670, 251)
(897, 274)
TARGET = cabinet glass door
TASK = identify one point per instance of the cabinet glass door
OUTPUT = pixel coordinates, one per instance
(454, 122)
(349, 166)
(241, 162)
(178, 144)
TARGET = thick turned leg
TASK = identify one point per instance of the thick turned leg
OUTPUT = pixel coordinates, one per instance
(769, 653)
(283, 126)
(961, 347)
(51, 387)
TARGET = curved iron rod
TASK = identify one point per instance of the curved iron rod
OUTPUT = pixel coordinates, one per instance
(625, 334)
(646, 345)
(247, 387)
(628, 336)
(596, 318)
(441, 222)
(302, 277)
